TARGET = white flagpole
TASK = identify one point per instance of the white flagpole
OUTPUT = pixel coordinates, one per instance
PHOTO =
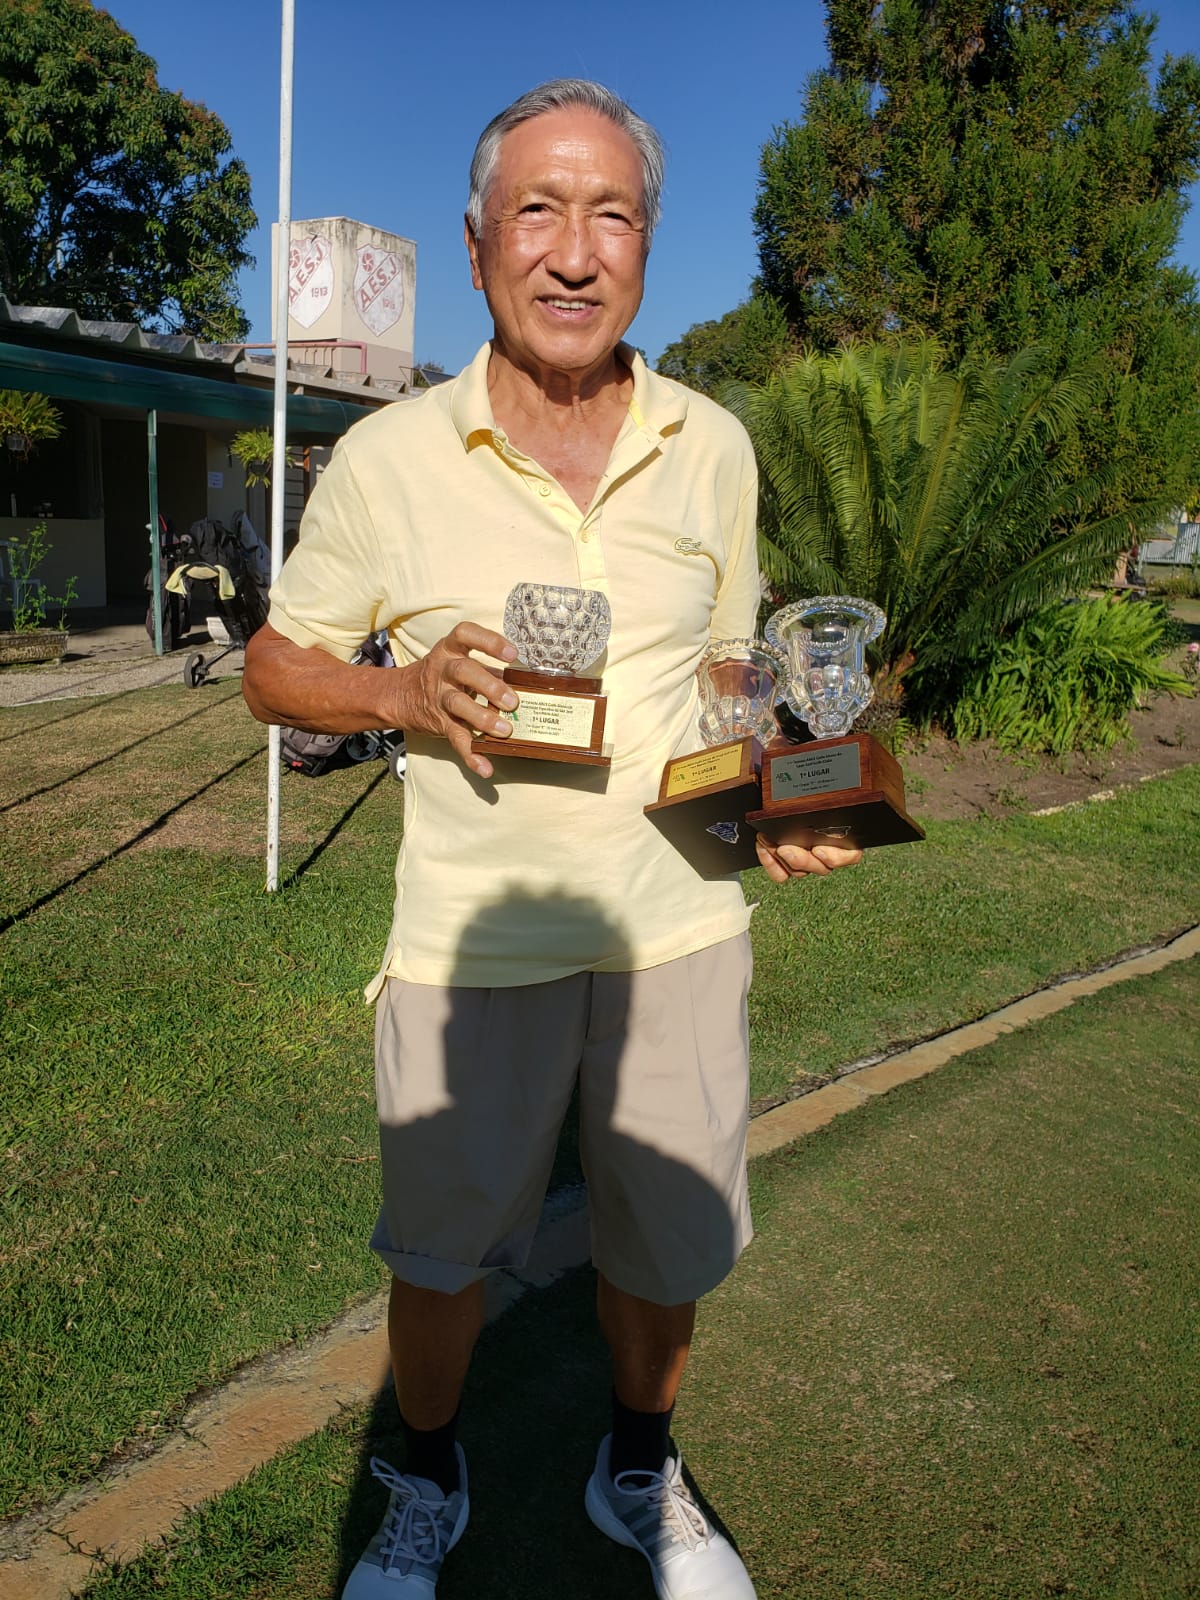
(283, 242)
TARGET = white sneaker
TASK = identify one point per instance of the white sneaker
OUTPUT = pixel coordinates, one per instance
(654, 1512)
(404, 1558)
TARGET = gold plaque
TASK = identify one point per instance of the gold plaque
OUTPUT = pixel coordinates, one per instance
(704, 768)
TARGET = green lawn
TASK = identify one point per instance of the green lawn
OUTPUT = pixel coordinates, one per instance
(187, 1131)
(959, 1360)
(924, 936)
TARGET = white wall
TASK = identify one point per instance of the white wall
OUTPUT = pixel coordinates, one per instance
(76, 550)
(229, 493)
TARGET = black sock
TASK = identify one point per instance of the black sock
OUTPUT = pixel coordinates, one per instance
(641, 1440)
(430, 1453)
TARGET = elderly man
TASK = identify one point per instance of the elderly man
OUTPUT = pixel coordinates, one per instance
(545, 933)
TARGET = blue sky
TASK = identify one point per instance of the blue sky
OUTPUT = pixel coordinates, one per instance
(390, 98)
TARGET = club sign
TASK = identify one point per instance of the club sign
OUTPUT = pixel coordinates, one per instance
(378, 288)
(310, 279)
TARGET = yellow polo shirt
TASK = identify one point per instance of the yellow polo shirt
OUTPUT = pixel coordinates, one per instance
(427, 516)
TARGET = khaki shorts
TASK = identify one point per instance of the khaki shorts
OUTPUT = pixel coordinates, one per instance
(473, 1085)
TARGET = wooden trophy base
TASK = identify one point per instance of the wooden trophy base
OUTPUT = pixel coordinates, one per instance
(560, 718)
(702, 805)
(847, 791)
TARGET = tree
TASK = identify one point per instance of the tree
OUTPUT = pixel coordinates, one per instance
(116, 195)
(747, 343)
(1000, 175)
(939, 494)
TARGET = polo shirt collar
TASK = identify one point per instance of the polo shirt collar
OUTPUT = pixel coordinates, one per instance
(656, 407)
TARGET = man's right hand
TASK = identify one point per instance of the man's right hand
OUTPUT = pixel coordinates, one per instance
(445, 683)
(308, 688)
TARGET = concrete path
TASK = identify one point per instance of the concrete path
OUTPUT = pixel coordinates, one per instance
(277, 1401)
(106, 659)
(786, 1123)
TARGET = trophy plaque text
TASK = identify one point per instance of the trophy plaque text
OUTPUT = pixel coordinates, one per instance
(842, 788)
(703, 798)
(558, 632)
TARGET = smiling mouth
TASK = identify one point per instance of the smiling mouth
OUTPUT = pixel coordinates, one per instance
(568, 307)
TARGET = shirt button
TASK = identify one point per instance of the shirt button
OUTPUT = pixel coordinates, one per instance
(544, 490)
(586, 535)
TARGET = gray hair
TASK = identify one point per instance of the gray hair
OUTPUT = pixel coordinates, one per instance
(562, 94)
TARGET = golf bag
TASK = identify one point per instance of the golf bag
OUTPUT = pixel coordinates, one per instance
(314, 753)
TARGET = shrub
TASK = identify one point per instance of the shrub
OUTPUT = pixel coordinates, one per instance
(31, 602)
(1181, 585)
(26, 420)
(940, 495)
(1067, 678)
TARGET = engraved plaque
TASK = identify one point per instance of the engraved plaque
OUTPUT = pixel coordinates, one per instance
(819, 771)
(552, 719)
(704, 768)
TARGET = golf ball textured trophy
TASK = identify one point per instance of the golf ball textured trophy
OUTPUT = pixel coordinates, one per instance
(558, 632)
(841, 788)
(703, 798)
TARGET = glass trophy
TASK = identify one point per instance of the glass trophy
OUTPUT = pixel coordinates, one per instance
(703, 798)
(842, 787)
(558, 632)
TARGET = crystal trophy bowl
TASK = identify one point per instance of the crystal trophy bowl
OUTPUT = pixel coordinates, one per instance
(557, 629)
(841, 788)
(825, 639)
(559, 632)
(739, 680)
(703, 798)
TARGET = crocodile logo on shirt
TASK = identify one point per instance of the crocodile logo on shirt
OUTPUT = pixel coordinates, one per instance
(689, 547)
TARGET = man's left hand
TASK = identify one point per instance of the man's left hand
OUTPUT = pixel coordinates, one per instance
(783, 861)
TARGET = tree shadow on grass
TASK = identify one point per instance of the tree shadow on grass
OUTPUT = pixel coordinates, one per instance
(81, 706)
(319, 849)
(101, 761)
(160, 821)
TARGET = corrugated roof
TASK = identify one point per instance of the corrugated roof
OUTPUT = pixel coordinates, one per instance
(61, 323)
(68, 324)
(101, 375)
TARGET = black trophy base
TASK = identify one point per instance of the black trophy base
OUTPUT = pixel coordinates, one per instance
(847, 791)
(702, 805)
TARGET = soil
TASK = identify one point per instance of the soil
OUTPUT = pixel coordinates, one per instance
(945, 780)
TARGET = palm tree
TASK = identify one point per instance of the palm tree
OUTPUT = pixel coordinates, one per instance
(940, 495)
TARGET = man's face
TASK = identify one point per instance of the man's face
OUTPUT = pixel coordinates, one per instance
(562, 254)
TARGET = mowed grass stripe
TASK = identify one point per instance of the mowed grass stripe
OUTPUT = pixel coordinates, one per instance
(922, 937)
(958, 1360)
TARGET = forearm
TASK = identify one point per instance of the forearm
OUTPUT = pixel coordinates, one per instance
(446, 693)
(309, 688)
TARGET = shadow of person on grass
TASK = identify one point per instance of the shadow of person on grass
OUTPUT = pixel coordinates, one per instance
(537, 1397)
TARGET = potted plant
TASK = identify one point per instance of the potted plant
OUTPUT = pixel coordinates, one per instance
(254, 448)
(26, 420)
(31, 638)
